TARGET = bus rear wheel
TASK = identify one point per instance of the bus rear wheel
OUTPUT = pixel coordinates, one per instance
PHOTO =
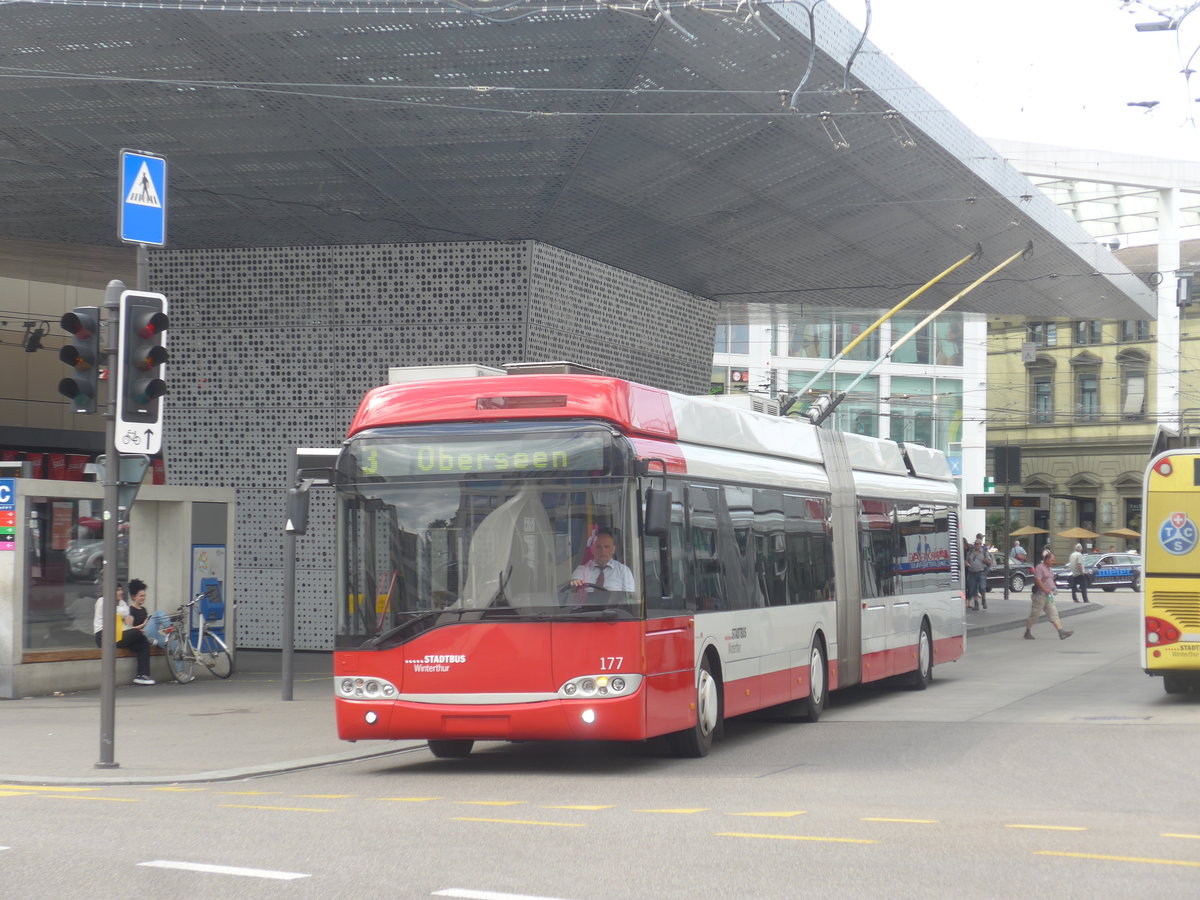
(919, 680)
(1175, 684)
(814, 704)
(451, 749)
(696, 741)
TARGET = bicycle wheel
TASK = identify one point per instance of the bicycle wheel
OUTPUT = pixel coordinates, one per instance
(179, 660)
(214, 655)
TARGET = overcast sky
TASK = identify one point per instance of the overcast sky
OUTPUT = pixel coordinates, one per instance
(1054, 71)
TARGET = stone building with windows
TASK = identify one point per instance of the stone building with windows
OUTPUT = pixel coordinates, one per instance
(1081, 399)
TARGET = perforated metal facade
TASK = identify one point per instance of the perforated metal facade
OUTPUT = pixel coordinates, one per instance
(273, 349)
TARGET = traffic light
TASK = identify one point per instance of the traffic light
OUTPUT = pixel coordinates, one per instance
(82, 355)
(141, 359)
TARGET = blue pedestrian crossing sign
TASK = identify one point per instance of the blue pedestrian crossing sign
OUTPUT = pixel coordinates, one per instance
(143, 199)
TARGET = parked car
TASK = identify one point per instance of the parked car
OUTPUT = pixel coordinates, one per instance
(85, 558)
(1019, 575)
(1107, 571)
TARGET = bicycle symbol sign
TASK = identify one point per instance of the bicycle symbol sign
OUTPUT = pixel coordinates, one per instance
(131, 437)
(1178, 534)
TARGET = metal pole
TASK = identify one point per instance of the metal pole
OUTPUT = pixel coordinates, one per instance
(288, 626)
(112, 474)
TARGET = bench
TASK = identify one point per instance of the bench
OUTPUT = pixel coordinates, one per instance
(66, 655)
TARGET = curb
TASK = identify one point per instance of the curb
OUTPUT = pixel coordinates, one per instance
(240, 774)
(1074, 610)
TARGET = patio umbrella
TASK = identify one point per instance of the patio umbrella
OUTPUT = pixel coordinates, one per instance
(1027, 529)
(1123, 533)
(1079, 534)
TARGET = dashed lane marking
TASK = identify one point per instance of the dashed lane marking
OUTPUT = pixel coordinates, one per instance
(1050, 827)
(908, 821)
(796, 837)
(325, 796)
(589, 808)
(1193, 837)
(521, 822)
(489, 802)
(465, 894)
(225, 870)
(1133, 859)
(277, 808)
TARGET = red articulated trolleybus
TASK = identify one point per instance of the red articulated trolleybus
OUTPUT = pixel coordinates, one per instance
(759, 561)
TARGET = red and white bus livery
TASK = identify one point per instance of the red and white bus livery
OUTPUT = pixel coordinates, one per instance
(768, 562)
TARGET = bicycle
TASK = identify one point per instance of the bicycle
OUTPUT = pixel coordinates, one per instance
(208, 650)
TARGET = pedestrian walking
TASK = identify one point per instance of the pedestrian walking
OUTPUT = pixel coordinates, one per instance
(1043, 598)
(1078, 577)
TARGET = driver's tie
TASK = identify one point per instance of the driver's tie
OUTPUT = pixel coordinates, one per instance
(600, 577)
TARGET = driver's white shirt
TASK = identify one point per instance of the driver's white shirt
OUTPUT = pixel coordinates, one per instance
(617, 575)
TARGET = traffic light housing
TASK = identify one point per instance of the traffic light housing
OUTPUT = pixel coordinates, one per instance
(82, 355)
(141, 360)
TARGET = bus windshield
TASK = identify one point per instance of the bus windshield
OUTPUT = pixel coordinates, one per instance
(453, 525)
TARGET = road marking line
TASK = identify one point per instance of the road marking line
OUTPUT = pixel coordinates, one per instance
(5, 848)
(281, 809)
(675, 812)
(579, 807)
(1138, 859)
(1049, 827)
(325, 796)
(489, 802)
(774, 815)
(795, 837)
(178, 790)
(520, 822)
(24, 788)
(1194, 837)
(912, 821)
(102, 799)
(465, 894)
(409, 799)
(16, 794)
(247, 793)
(225, 870)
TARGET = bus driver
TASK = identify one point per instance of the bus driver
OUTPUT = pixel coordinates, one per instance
(602, 571)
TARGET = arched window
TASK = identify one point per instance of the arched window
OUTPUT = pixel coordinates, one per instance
(1086, 368)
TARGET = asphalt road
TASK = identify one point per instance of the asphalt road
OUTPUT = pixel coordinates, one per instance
(1031, 768)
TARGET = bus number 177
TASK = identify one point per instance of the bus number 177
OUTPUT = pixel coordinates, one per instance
(610, 662)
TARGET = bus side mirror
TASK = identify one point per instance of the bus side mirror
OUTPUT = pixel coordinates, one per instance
(297, 510)
(658, 512)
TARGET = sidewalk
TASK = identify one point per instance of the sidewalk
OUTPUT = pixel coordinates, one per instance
(209, 730)
(212, 730)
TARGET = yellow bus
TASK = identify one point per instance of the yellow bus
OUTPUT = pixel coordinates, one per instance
(1171, 581)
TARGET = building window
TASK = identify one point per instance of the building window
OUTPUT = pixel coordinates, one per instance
(1041, 391)
(1135, 330)
(732, 338)
(1087, 332)
(1087, 396)
(1134, 367)
(1043, 334)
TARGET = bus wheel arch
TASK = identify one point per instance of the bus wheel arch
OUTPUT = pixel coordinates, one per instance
(696, 741)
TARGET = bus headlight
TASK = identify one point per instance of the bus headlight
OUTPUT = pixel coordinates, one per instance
(366, 688)
(592, 686)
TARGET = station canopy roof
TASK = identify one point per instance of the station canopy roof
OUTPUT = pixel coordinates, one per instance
(712, 147)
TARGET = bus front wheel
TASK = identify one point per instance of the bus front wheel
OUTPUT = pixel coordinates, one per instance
(451, 749)
(696, 741)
